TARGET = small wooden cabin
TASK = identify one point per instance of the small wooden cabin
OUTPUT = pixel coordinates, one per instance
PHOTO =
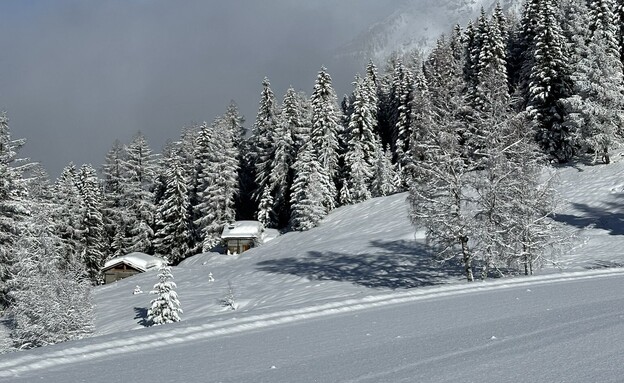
(129, 265)
(241, 236)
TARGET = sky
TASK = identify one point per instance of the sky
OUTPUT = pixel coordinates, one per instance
(77, 74)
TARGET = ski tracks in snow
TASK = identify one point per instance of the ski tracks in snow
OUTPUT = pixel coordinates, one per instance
(136, 341)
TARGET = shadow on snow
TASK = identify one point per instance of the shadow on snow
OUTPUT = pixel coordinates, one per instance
(396, 265)
(599, 217)
(141, 315)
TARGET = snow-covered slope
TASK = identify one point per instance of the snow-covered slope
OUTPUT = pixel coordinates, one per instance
(360, 299)
(416, 24)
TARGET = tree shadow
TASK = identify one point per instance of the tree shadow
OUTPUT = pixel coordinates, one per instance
(597, 217)
(141, 315)
(396, 265)
(600, 264)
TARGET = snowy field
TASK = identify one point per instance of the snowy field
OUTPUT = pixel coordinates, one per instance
(359, 299)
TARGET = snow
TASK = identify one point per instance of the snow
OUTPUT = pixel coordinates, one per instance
(140, 261)
(359, 299)
(242, 229)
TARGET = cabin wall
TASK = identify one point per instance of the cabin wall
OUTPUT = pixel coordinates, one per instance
(118, 272)
(238, 245)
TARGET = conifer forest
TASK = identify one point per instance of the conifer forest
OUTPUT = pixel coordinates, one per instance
(469, 130)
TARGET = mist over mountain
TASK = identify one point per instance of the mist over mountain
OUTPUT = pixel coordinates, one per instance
(416, 25)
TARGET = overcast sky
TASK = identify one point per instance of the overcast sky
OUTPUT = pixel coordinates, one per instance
(77, 74)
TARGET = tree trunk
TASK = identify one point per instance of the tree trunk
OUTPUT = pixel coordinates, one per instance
(605, 156)
(467, 258)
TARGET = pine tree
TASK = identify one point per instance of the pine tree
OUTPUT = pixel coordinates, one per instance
(401, 100)
(165, 308)
(594, 113)
(139, 170)
(308, 191)
(217, 169)
(548, 77)
(13, 200)
(385, 180)
(264, 135)
(92, 228)
(173, 219)
(361, 146)
(67, 214)
(114, 212)
(324, 136)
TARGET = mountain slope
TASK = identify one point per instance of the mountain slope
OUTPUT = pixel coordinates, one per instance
(360, 299)
(417, 24)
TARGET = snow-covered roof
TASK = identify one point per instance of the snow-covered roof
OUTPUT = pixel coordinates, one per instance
(242, 229)
(139, 261)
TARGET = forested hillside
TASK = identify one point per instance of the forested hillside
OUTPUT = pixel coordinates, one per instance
(469, 130)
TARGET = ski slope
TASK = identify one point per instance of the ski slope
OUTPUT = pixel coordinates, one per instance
(360, 299)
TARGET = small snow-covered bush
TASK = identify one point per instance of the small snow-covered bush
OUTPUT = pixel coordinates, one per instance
(50, 308)
(165, 308)
(229, 300)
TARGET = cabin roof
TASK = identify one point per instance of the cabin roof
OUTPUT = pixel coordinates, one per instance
(242, 229)
(138, 261)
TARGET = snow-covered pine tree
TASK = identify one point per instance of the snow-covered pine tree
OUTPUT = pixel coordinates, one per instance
(324, 136)
(385, 180)
(139, 171)
(13, 200)
(173, 221)
(165, 308)
(217, 167)
(594, 112)
(548, 78)
(401, 100)
(308, 191)
(490, 96)
(422, 119)
(619, 12)
(263, 136)
(67, 214)
(235, 123)
(114, 212)
(92, 228)
(303, 119)
(362, 141)
(275, 201)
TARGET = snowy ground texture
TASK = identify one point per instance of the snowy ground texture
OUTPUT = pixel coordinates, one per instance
(359, 299)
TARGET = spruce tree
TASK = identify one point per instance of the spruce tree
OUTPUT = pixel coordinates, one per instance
(92, 229)
(362, 141)
(165, 308)
(115, 213)
(13, 200)
(67, 214)
(139, 170)
(263, 137)
(217, 181)
(594, 112)
(173, 221)
(548, 77)
(324, 136)
(308, 191)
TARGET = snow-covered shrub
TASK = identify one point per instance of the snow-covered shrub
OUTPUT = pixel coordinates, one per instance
(165, 308)
(50, 308)
(229, 300)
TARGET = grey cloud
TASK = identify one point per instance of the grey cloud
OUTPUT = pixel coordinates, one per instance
(75, 75)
